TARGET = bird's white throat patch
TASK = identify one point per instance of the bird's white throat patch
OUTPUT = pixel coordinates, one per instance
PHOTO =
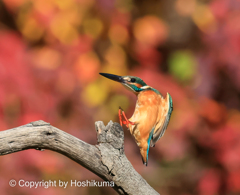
(128, 87)
(145, 87)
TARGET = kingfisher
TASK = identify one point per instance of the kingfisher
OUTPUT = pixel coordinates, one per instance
(151, 115)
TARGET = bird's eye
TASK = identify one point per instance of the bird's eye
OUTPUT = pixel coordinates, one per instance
(133, 80)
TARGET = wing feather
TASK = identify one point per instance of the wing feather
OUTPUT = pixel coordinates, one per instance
(161, 126)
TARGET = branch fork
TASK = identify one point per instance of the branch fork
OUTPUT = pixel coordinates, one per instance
(106, 159)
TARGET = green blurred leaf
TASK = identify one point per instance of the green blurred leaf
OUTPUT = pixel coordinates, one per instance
(183, 65)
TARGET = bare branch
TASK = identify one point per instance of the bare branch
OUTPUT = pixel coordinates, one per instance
(106, 159)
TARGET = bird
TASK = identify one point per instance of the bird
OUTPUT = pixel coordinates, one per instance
(151, 115)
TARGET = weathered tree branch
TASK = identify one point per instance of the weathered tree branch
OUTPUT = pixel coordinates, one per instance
(106, 159)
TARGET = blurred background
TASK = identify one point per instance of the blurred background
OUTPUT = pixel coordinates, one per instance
(51, 52)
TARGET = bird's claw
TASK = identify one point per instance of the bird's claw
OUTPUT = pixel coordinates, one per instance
(126, 122)
(120, 115)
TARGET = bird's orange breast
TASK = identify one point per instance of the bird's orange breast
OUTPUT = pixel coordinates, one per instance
(145, 116)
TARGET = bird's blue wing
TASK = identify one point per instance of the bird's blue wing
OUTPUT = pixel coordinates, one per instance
(149, 140)
(158, 133)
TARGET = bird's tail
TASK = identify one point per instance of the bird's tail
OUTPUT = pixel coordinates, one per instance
(144, 156)
(145, 163)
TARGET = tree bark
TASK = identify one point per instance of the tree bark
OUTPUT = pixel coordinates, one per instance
(106, 159)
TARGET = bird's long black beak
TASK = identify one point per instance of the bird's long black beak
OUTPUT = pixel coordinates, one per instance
(113, 77)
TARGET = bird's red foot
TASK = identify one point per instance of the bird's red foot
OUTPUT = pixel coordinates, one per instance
(126, 122)
(120, 116)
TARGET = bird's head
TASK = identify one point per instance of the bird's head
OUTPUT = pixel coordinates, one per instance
(130, 82)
